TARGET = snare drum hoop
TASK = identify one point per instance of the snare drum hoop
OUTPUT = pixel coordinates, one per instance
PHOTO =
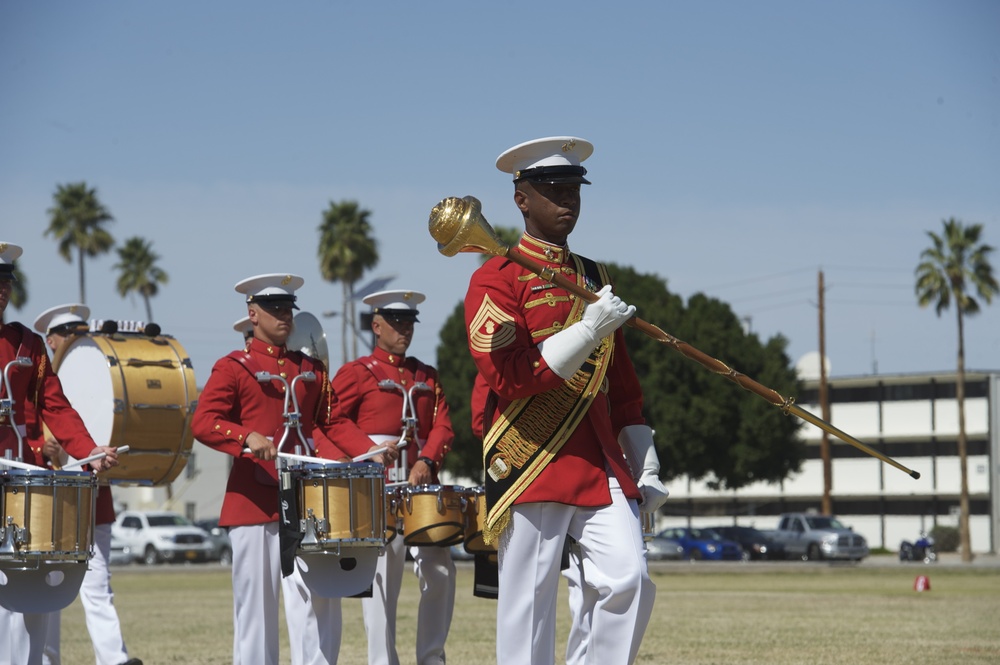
(84, 532)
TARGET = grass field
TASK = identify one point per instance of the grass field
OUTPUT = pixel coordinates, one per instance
(705, 614)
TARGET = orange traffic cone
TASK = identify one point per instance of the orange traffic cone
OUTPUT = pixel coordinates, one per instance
(922, 583)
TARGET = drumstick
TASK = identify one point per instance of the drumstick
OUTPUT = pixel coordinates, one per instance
(21, 465)
(306, 459)
(370, 454)
(92, 458)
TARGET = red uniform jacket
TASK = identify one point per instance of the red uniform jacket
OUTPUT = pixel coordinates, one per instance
(36, 391)
(508, 311)
(362, 408)
(233, 404)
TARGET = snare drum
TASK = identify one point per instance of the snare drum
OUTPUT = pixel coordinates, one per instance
(475, 519)
(133, 390)
(46, 516)
(341, 505)
(433, 515)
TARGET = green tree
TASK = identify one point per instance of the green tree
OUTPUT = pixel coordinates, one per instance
(955, 263)
(138, 272)
(19, 292)
(706, 426)
(77, 222)
(346, 250)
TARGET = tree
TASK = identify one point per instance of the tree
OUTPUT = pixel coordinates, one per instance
(956, 262)
(706, 426)
(77, 221)
(19, 292)
(139, 272)
(346, 250)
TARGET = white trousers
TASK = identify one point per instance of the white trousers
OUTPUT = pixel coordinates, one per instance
(314, 622)
(613, 565)
(22, 637)
(436, 575)
(582, 599)
(97, 599)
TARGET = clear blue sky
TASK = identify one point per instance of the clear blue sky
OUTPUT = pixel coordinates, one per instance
(740, 148)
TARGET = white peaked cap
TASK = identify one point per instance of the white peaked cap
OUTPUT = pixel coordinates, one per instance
(60, 316)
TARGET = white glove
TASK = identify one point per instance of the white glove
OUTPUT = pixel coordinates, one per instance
(566, 351)
(637, 443)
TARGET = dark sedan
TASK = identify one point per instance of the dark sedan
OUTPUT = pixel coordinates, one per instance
(755, 543)
(704, 544)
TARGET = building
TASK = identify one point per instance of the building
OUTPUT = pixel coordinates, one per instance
(911, 418)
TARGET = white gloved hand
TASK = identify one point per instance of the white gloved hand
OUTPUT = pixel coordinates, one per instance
(566, 351)
(637, 443)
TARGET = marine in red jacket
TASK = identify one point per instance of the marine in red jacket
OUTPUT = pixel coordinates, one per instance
(563, 425)
(237, 412)
(373, 396)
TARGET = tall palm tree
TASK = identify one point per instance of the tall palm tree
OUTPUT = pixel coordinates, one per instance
(139, 272)
(346, 250)
(76, 221)
(955, 263)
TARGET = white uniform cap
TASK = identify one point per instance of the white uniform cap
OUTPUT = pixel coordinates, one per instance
(397, 304)
(273, 288)
(8, 254)
(61, 315)
(243, 326)
(555, 159)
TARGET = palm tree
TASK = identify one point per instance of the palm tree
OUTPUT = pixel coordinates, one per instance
(76, 221)
(19, 292)
(955, 263)
(139, 272)
(346, 250)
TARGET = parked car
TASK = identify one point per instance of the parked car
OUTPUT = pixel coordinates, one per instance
(222, 547)
(659, 548)
(704, 544)
(755, 543)
(815, 537)
(121, 554)
(157, 536)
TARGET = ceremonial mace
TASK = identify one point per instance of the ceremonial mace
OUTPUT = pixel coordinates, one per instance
(458, 225)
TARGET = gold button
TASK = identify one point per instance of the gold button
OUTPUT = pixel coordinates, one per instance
(281, 362)
(283, 375)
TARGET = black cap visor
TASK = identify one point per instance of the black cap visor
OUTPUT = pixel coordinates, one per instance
(554, 175)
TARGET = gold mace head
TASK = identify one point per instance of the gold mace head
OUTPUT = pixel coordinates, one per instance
(458, 225)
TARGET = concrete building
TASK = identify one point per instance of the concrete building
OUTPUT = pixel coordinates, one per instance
(911, 418)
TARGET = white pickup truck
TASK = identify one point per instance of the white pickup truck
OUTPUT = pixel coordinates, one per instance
(816, 537)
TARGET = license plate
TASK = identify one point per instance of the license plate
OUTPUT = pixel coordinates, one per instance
(191, 554)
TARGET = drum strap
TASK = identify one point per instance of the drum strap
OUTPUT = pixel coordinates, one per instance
(531, 431)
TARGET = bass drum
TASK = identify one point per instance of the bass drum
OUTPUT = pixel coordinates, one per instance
(133, 390)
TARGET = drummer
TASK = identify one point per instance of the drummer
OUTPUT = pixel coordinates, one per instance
(237, 412)
(59, 324)
(22, 636)
(367, 413)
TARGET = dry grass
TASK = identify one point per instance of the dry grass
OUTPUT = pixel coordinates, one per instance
(705, 614)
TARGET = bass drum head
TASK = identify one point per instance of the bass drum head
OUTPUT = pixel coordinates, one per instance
(86, 381)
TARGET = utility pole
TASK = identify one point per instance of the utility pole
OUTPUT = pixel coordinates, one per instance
(824, 405)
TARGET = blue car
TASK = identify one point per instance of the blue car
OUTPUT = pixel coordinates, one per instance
(704, 544)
